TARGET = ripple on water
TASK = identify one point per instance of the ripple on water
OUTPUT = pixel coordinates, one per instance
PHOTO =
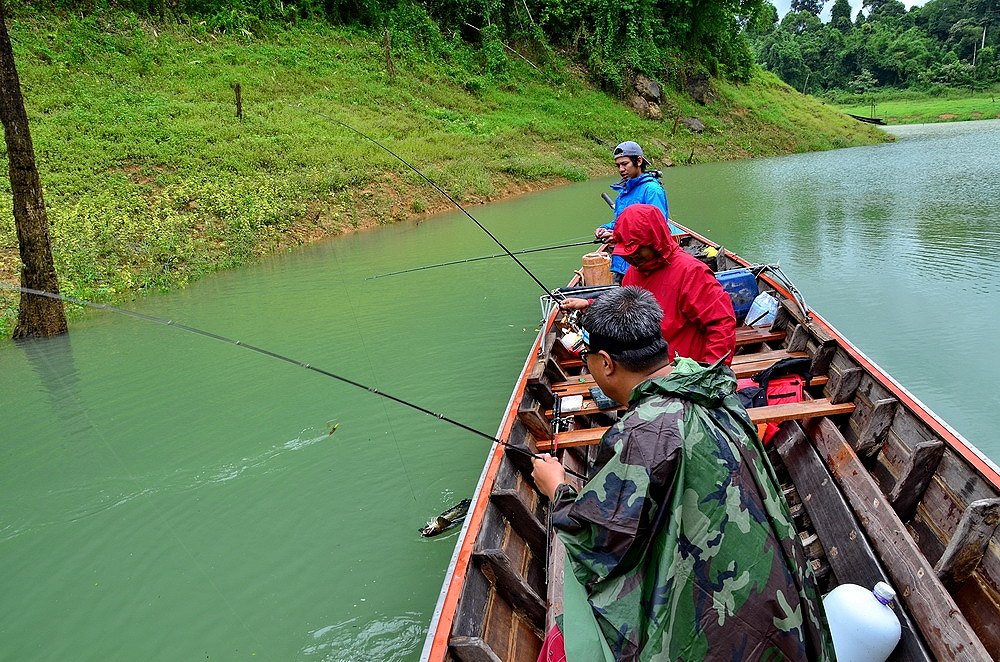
(387, 639)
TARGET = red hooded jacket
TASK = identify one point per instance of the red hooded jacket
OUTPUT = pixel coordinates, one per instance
(698, 318)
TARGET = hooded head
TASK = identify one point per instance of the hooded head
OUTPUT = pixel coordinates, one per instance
(642, 237)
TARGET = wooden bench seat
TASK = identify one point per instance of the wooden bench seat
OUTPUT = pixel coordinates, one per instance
(581, 385)
(759, 415)
(751, 335)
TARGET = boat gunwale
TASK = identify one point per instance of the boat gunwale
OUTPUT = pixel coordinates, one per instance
(436, 642)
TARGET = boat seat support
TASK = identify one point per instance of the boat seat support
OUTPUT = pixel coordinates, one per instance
(916, 476)
(472, 649)
(967, 546)
(870, 439)
(521, 519)
(496, 567)
(844, 384)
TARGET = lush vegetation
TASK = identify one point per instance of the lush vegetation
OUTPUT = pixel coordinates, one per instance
(944, 44)
(665, 39)
(151, 181)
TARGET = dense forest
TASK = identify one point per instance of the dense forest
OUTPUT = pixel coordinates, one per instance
(945, 43)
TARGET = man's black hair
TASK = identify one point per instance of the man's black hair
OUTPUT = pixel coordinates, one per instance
(626, 324)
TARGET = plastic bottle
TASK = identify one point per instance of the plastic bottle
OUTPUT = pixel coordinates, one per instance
(863, 625)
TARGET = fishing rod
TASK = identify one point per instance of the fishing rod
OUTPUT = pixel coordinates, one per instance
(439, 190)
(483, 257)
(274, 355)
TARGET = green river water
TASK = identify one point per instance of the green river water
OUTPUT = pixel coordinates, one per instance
(170, 497)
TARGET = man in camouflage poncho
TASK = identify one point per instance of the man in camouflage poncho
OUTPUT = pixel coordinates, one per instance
(681, 543)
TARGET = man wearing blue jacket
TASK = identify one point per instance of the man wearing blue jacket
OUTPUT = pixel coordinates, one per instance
(636, 186)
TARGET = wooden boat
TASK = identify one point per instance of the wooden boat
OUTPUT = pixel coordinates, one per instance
(869, 120)
(880, 489)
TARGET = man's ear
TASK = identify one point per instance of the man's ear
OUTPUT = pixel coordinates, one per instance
(605, 364)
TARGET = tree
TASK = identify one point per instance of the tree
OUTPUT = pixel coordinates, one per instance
(840, 15)
(814, 7)
(37, 315)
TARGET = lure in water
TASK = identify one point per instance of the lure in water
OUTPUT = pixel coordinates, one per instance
(446, 520)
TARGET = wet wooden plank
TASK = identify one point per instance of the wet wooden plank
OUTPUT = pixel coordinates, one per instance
(848, 552)
(947, 632)
(967, 546)
(497, 569)
(521, 519)
(751, 335)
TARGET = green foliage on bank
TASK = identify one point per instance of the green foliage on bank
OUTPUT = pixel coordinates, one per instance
(152, 182)
(616, 39)
(942, 45)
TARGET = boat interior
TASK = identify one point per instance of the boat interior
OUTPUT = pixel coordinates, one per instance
(879, 488)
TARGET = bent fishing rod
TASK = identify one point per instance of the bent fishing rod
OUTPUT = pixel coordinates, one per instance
(274, 355)
(548, 292)
(483, 257)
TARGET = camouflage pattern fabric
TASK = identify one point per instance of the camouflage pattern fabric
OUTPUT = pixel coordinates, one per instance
(682, 540)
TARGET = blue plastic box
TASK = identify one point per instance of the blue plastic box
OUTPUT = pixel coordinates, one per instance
(742, 288)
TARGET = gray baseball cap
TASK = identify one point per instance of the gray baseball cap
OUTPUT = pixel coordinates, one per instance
(629, 148)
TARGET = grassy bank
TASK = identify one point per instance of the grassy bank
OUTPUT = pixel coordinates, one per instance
(914, 108)
(152, 182)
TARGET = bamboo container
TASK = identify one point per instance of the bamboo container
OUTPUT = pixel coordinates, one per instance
(597, 269)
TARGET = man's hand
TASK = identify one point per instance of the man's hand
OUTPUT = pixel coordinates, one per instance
(604, 234)
(570, 303)
(548, 474)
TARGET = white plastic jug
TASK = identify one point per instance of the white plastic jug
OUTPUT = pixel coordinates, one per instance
(763, 310)
(863, 625)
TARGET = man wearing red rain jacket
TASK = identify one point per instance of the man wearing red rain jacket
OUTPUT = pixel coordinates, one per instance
(698, 318)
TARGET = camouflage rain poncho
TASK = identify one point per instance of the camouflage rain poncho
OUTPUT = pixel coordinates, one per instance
(722, 576)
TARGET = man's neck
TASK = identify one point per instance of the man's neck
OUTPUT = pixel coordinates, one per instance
(635, 378)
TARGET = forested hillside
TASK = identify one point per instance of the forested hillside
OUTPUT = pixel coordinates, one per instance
(665, 39)
(154, 176)
(943, 44)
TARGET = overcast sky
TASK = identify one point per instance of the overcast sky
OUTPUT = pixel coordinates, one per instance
(783, 6)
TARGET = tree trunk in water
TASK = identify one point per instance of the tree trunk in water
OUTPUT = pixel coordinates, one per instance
(37, 315)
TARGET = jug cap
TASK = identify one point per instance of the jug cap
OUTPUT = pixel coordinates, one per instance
(884, 593)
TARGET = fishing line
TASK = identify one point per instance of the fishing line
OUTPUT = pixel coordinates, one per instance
(439, 190)
(482, 257)
(280, 357)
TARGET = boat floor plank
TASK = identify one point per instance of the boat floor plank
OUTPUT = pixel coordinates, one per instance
(848, 551)
(950, 636)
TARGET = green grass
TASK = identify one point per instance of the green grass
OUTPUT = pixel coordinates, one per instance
(151, 182)
(949, 107)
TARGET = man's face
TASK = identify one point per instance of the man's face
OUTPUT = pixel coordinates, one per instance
(644, 258)
(626, 168)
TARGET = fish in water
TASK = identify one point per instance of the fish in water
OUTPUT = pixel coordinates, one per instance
(446, 520)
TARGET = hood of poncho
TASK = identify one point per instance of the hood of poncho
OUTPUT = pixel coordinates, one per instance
(704, 385)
